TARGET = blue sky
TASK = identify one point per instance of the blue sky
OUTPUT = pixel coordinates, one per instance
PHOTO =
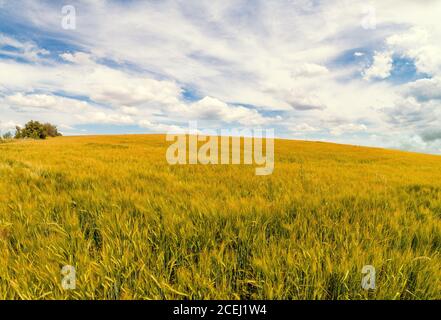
(347, 71)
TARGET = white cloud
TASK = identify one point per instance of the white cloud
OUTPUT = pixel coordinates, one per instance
(87, 78)
(65, 127)
(7, 126)
(381, 66)
(104, 118)
(162, 128)
(348, 128)
(23, 101)
(213, 109)
(133, 111)
(309, 70)
(77, 57)
(303, 127)
(419, 44)
(26, 50)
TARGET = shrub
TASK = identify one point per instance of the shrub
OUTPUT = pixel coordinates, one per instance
(51, 130)
(36, 130)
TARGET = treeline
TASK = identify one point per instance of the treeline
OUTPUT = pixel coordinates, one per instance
(33, 130)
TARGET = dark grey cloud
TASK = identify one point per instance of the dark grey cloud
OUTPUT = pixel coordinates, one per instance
(409, 113)
(431, 135)
(306, 107)
(305, 102)
(425, 89)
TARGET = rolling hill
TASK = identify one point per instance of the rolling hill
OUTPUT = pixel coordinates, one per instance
(135, 227)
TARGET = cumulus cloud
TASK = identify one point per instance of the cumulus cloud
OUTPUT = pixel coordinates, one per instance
(213, 109)
(348, 128)
(414, 142)
(431, 135)
(304, 101)
(104, 118)
(303, 128)
(162, 128)
(21, 101)
(309, 70)
(420, 45)
(77, 57)
(86, 78)
(424, 89)
(411, 116)
(381, 66)
(133, 111)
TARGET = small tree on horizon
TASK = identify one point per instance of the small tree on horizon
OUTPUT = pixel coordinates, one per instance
(51, 130)
(36, 130)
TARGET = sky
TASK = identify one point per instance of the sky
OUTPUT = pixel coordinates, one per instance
(346, 71)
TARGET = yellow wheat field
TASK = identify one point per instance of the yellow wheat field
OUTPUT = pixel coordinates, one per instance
(136, 227)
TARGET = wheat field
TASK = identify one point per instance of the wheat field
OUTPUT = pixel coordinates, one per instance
(135, 227)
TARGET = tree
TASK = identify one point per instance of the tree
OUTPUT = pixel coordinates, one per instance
(7, 136)
(51, 130)
(36, 130)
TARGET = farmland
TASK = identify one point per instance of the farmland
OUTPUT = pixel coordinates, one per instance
(135, 227)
